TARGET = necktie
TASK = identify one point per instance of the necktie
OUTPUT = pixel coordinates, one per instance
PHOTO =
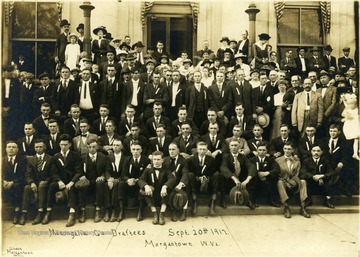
(288, 162)
(213, 140)
(85, 86)
(93, 159)
(186, 138)
(172, 164)
(160, 142)
(130, 123)
(262, 89)
(157, 172)
(46, 121)
(40, 163)
(157, 121)
(102, 123)
(84, 135)
(136, 162)
(202, 161)
(332, 145)
(53, 138)
(237, 166)
(28, 140)
(11, 161)
(307, 99)
(64, 156)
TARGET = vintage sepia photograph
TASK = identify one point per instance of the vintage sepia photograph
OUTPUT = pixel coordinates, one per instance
(180, 128)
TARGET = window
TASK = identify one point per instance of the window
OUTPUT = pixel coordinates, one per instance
(34, 32)
(300, 26)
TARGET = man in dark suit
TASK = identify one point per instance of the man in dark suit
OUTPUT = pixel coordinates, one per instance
(213, 118)
(97, 168)
(146, 76)
(135, 137)
(241, 92)
(306, 142)
(156, 183)
(203, 177)
(98, 126)
(61, 42)
(126, 122)
(302, 63)
(52, 140)
(318, 173)
(245, 122)
(186, 141)
(160, 51)
(243, 44)
(176, 93)
(72, 125)
(107, 139)
(345, 62)
(66, 170)
(219, 96)
(103, 68)
(27, 90)
(315, 62)
(175, 163)
(110, 92)
(160, 142)
(253, 143)
(288, 64)
(88, 97)
(64, 94)
(328, 59)
(277, 144)
(13, 176)
(26, 143)
(153, 122)
(133, 167)
(37, 178)
(267, 175)
(42, 94)
(41, 123)
(182, 117)
(238, 171)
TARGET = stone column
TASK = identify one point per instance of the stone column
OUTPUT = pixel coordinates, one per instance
(87, 8)
(252, 11)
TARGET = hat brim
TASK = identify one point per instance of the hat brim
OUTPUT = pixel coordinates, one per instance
(244, 199)
(267, 120)
(95, 31)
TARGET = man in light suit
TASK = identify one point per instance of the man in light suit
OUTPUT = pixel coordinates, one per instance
(80, 142)
(289, 173)
(308, 108)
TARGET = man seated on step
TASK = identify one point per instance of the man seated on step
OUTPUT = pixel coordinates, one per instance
(156, 183)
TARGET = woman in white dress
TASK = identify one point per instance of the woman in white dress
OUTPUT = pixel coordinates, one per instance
(72, 52)
(278, 114)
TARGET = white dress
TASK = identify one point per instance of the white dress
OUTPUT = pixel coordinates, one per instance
(72, 51)
(351, 126)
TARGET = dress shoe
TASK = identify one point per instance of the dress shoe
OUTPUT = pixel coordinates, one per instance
(71, 220)
(139, 216)
(22, 220)
(173, 215)
(161, 218)
(195, 208)
(16, 217)
(156, 218)
(113, 216)
(183, 215)
(83, 216)
(329, 204)
(304, 213)
(107, 216)
(223, 203)
(212, 208)
(251, 205)
(121, 215)
(287, 212)
(37, 219)
(97, 216)
(274, 203)
(46, 218)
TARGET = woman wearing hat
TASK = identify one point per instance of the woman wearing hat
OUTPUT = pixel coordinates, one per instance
(80, 29)
(261, 54)
(277, 119)
(100, 45)
(72, 51)
(224, 45)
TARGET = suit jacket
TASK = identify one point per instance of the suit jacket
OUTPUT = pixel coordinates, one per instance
(14, 172)
(70, 127)
(99, 50)
(127, 95)
(304, 146)
(347, 62)
(179, 97)
(190, 146)
(298, 69)
(129, 140)
(220, 101)
(154, 145)
(339, 153)
(247, 125)
(298, 109)
(330, 63)
(277, 145)
(116, 172)
(67, 170)
(176, 127)
(33, 175)
(40, 92)
(157, 56)
(98, 128)
(204, 128)
(52, 147)
(101, 167)
(151, 126)
(245, 48)
(264, 100)
(124, 126)
(79, 145)
(316, 61)
(193, 165)
(253, 143)
(146, 77)
(103, 69)
(62, 98)
(110, 94)
(309, 168)
(288, 65)
(26, 98)
(242, 94)
(24, 148)
(285, 172)
(177, 169)
(40, 126)
(104, 140)
(243, 145)
(220, 143)
(159, 95)
(94, 95)
(61, 43)
(130, 170)
(149, 178)
(227, 167)
(329, 100)
(190, 100)
(269, 165)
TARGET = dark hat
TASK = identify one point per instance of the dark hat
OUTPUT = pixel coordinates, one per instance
(150, 60)
(131, 56)
(325, 73)
(263, 120)
(239, 196)
(111, 51)
(139, 44)
(205, 62)
(86, 59)
(164, 57)
(44, 75)
(108, 36)
(64, 23)
(61, 196)
(80, 26)
(96, 30)
(293, 184)
(187, 61)
(239, 56)
(315, 49)
(216, 59)
(82, 183)
(179, 200)
(264, 36)
(328, 48)
(225, 39)
(254, 70)
(125, 70)
(228, 50)
(232, 40)
(147, 56)
(75, 69)
(302, 47)
(124, 44)
(346, 49)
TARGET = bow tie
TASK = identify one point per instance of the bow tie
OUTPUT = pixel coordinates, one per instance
(288, 158)
(324, 86)
(84, 135)
(46, 118)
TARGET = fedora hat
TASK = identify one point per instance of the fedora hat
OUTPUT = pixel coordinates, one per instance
(44, 75)
(324, 73)
(264, 36)
(225, 39)
(302, 47)
(239, 196)
(64, 23)
(228, 50)
(125, 70)
(263, 120)
(96, 30)
(346, 49)
(239, 55)
(61, 196)
(179, 200)
(126, 45)
(131, 56)
(150, 61)
(80, 26)
(315, 49)
(139, 44)
(72, 35)
(328, 48)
